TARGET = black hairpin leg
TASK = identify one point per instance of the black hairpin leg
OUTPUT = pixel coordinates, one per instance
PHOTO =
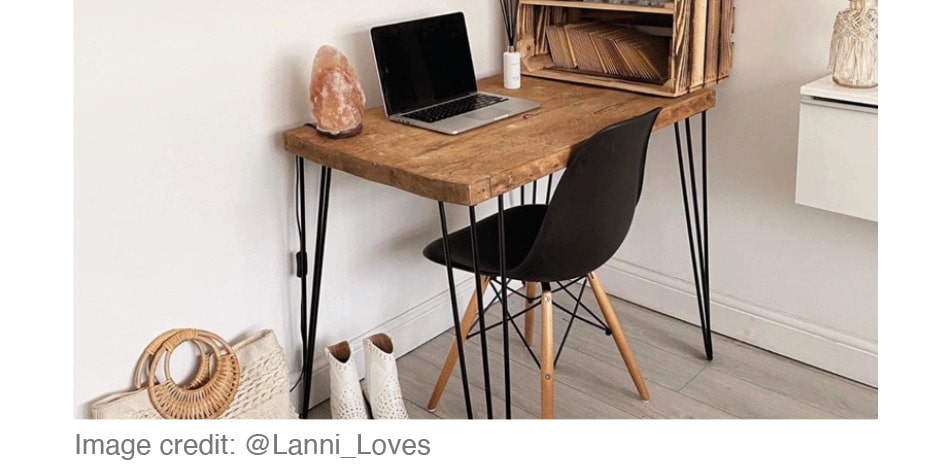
(547, 198)
(708, 338)
(302, 254)
(481, 313)
(455, 310)
(319, 245)
(698, 242)
(504, 302)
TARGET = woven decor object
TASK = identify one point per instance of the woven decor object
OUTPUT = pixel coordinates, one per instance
(212, 389)
(853, 55)
(262, 386)
(201, 374)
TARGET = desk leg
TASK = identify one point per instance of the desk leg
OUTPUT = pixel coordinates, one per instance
(698, 244)
(504, 302)
(301, 257)
(319, 245)
(481, 312)
(455, 311)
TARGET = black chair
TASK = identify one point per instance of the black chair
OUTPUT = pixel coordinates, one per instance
(583, 226)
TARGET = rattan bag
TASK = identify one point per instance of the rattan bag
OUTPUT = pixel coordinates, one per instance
(246, 381)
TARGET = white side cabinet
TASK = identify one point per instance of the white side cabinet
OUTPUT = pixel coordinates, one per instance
(837, 149)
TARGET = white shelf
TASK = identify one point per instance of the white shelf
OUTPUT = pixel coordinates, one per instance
(826, 88)
(837, 149)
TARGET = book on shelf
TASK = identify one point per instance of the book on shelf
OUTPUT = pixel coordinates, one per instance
(610, 49)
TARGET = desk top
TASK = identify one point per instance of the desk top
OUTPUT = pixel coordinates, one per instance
(480, 164)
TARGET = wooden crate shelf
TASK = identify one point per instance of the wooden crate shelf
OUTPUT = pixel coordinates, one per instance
(699, 35)
(664, 10)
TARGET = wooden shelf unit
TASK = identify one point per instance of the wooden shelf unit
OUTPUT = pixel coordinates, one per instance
(700, 33)
(664, 10)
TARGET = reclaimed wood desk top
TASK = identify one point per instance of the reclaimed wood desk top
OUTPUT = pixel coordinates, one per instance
(481, 164)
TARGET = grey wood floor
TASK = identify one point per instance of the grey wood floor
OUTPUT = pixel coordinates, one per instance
(592, 382)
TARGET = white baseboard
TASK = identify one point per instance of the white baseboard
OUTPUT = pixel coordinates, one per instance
(742, 320)
(408, 330)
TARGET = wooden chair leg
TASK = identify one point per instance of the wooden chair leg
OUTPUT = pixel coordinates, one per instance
(611, 317)
(468, 320)
(547, 355)
(530, 290)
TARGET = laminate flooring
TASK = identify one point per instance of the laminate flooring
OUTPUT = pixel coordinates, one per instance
(591, 381)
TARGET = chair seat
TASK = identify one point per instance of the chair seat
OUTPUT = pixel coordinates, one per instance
(522, 224)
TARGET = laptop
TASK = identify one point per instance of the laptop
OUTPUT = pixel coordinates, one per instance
(428, 80)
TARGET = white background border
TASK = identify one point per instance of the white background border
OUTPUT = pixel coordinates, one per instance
(36, 188)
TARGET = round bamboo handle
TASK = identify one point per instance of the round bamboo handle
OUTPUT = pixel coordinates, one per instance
(208, 394)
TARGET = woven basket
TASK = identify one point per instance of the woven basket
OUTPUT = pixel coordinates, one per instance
(255, 365)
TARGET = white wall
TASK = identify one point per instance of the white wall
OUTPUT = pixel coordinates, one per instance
(184, 198)
(793, 279)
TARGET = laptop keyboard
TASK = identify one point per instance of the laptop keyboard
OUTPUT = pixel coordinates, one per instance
(454, 108)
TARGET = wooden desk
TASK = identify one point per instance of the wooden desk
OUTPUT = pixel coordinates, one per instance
(488, 162)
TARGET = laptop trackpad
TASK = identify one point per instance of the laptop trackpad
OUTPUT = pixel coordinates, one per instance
(488, 114)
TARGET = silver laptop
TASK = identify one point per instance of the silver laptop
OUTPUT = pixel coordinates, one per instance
(428, 80)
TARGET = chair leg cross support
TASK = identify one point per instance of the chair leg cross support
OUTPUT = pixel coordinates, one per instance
(548, 357)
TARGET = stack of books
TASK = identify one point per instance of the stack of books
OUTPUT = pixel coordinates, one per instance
(609, 49)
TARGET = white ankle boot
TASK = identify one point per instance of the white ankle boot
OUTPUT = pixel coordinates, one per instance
(382, 381)
(346, 399)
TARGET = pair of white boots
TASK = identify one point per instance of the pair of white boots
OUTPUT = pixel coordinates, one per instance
(380, 396)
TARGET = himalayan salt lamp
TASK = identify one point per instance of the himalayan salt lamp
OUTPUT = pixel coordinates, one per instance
(337, 101)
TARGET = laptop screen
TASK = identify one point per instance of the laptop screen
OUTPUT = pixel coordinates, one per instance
(423, 62)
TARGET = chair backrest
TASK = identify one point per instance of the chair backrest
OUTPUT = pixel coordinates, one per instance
(592, 208)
